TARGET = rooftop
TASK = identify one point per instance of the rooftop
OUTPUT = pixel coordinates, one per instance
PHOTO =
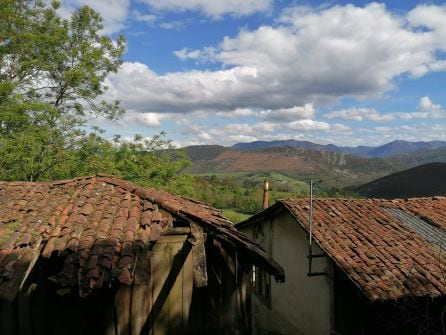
(98, 225)
(388, 248)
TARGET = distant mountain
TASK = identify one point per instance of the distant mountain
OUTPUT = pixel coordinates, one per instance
(386, 150)
(414, 158)
(337, 169)
(421, 181)
(287, 143)
(402, 147)
(358, 151)
(203, 152)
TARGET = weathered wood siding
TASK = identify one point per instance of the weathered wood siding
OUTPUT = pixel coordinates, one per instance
(167, 303)
(158, 307)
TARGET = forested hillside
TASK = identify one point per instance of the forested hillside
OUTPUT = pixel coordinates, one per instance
(421, 181)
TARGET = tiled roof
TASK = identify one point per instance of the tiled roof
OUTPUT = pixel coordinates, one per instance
(384, 254)
(99, 225)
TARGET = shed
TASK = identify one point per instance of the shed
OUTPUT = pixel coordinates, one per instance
(375, 266)
(98, 255)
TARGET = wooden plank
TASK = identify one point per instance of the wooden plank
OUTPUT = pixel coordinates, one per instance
(172, 309)
(123, 306)
(167, 261)
(199, 256)
(187, 290)
(35, 256)
(141, 306)
(142, 292)
(161, 261)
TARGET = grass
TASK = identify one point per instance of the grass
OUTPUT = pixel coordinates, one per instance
(8, 228)
(234, 216)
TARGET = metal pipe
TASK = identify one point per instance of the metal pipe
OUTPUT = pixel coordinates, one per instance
(266, 194)
(310, 214)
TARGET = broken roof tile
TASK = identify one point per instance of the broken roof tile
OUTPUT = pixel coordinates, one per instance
(99, 221)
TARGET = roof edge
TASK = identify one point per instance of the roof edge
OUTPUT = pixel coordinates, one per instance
(261, 215)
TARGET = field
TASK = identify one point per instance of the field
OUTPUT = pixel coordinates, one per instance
(240, 194)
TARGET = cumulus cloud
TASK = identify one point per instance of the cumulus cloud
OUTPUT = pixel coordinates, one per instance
(147, 18)
(288, 114)
(427, 107)
(151, 120)
(238, 113)
(213, 9)
(273, 115)
(114, 12)
(311, 56)
(308, 125)
(360, 114)
(140, 88)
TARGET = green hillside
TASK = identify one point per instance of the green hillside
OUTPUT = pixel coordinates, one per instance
(421, 181)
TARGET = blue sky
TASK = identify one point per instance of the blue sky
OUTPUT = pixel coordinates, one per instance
(222, 72)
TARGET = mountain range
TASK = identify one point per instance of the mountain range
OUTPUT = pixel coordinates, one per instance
(335, 166)
(389, 149)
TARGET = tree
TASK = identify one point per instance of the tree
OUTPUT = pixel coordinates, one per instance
(52, 73)
(152, 162)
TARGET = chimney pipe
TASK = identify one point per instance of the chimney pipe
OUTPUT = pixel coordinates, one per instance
(266, 194)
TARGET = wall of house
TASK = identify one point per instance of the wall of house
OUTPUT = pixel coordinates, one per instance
(301, 305)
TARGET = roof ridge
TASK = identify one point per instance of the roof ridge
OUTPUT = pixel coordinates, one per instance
(364, 199)
(47, 183)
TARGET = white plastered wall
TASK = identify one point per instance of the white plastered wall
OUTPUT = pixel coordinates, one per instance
(303, 304)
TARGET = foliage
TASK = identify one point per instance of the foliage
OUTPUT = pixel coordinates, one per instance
(52, 73)
(150, 162)
(244, 192)
(234, 216)
(239, 194)
(51, 78)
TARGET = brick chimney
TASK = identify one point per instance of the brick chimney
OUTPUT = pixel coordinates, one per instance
(266, 194)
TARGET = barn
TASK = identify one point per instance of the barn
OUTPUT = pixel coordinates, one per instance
(98, 255)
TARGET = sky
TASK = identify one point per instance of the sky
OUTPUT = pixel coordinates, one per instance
(230, 71)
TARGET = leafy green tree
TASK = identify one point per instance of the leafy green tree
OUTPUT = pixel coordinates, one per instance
(152, 162)
(52, 73)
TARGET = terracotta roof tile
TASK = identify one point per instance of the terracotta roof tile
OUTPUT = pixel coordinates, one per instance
(97, 224)
(380, 252)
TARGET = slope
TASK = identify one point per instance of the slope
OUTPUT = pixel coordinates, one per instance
(339, 168)
(420, 181)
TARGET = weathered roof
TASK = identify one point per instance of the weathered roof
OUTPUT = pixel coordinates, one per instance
(388, 248)
(98, 224)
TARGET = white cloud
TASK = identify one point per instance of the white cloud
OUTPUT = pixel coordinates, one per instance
(338, 128)
(151, 120)
(147, 18)
(288, 114)
(238, 113)
(307, 125)
(212, 8)
(426, 106)
(313, 56)
(139, 88)
(204, 55)
(114, 12)
(177, 24)
(426, 109)
(360, 114)
(273, 115)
